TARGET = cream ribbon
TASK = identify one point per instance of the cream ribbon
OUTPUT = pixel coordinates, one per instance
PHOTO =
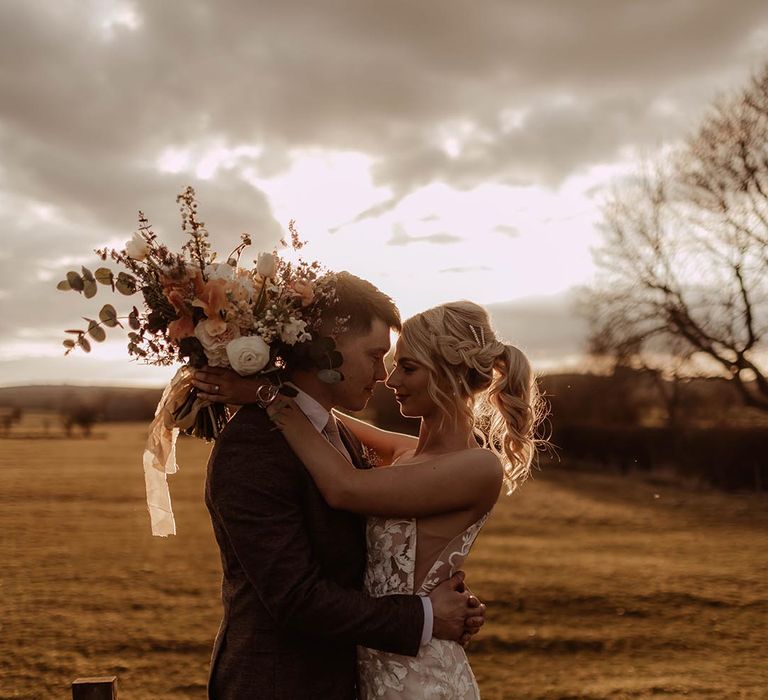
(160, 454)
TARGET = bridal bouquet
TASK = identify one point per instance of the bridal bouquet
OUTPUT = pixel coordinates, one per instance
(199, 311)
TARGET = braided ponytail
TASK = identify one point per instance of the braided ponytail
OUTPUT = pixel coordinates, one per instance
(512, 408)
(477, 379)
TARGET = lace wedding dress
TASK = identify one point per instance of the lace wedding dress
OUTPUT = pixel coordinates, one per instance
(441, 669)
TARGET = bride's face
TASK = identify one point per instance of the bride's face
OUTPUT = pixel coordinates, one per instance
(409, 379)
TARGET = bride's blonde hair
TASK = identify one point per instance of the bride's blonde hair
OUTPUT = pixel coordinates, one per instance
(475, 377)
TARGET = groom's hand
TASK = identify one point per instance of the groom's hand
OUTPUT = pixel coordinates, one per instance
(224, 385)
(451, 608)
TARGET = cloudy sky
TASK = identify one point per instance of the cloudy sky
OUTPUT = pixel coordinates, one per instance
(442, 149)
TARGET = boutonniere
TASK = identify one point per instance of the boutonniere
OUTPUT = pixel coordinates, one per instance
(371, 458)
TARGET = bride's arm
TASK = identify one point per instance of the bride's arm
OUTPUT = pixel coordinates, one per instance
(387, 444)
(226, 386)
(467, 480)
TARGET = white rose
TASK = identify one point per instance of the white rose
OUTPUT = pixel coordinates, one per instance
(248, 354)
(137, 248)
(266, 264)
(294, 332)
(220, 271)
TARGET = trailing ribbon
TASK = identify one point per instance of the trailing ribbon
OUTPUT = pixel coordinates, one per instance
(160, 453)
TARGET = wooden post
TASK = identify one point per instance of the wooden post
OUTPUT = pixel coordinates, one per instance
(100, 688)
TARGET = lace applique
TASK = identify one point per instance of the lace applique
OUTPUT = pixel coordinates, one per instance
(441, 669)
(391, 556)
(451, 559)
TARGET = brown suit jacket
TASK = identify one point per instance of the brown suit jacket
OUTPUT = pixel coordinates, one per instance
(293, 568)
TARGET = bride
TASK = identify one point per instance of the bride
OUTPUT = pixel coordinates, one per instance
(479, 408)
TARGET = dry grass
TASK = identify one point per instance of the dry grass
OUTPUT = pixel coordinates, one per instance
(597, 586)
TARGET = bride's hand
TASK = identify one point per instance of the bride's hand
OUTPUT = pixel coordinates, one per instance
(288, 418)
(224, 385)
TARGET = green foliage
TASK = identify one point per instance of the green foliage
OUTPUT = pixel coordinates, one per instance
(96, 331)
(192, 350)
(126, 284)
(133, 319)
(104, 276)
(108, 316)
(330, 376)
(75, 281)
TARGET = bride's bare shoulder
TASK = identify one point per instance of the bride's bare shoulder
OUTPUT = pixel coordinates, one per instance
(474, 457)
(403, 456)
(482, 459)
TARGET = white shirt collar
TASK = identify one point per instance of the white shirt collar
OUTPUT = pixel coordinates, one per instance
(313, 410)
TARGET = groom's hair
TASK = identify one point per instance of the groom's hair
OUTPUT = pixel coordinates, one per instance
(359, 302)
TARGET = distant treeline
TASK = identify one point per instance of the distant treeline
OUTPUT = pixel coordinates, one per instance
(627, 420)
(109, 404)
(633, 420)
(729, 458)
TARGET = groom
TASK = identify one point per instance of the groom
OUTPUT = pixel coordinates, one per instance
(293, 567)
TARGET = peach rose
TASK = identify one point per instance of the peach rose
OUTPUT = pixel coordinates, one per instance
(304, 290)
(214, 335)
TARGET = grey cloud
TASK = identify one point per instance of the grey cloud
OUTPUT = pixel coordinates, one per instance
(351, 75)
(84, 119)
(511, 231)
(469, 268)
(371, 213)
(401, 238)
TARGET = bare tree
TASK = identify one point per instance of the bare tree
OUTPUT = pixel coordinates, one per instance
(83, 416)
(9, 418)
(684, 263)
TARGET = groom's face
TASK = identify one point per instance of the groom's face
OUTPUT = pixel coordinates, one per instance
(363, 365)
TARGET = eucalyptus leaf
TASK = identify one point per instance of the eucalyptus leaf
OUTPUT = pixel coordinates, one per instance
(75, 281)
(335, 359)
(87, 275)
(329, 376)
(89, 289)
(96, 332)
(133, 319)
(108, 315)
(64, 286)
(125, 284)
(68, 343)
(72, 330)
(104, 276)
(82, 341)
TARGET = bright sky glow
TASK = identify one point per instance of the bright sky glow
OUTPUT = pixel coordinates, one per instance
(466, 162)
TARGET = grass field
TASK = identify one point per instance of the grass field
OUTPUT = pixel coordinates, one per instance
(598, 586)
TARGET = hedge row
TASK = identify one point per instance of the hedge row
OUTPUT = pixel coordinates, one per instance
(729, 458)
